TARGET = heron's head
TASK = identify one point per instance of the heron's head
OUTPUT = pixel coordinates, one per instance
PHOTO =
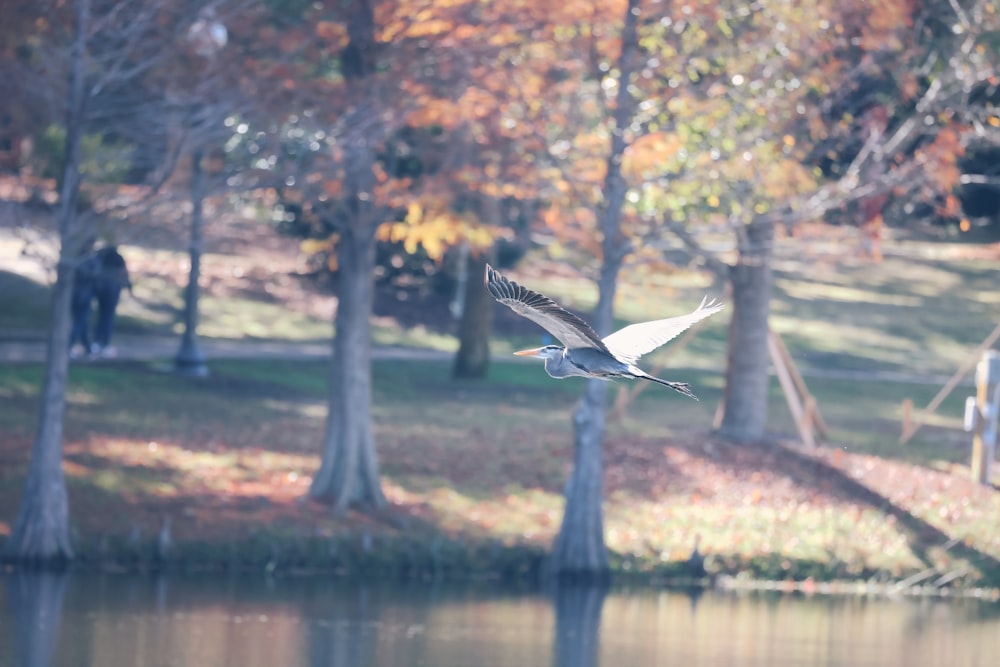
(545, 352)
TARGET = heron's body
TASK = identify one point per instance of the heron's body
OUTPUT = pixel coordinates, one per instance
(587, 362)
(585, 354)
(561, 362)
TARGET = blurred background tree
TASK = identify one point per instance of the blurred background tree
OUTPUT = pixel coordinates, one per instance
(97, 62)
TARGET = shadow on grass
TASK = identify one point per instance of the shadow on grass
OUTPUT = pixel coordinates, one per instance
(640, 466)
(901, 315)
(921, 535)
(24, 304)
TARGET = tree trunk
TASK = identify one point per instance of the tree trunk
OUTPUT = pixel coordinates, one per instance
(473, 357)
(579, 549)
(189, 359)
(349, 472)
(41, 528)
(745, 397)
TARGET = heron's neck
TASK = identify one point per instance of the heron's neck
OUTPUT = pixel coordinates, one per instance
(557, 365)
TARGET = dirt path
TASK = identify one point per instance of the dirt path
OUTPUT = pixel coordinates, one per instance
(146, 348)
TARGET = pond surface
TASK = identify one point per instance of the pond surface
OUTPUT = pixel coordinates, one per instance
(135, 621)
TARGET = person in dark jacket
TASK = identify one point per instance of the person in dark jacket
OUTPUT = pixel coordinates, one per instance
(84, 285)
(112, 277)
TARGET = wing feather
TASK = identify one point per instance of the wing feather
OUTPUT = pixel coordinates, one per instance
(569, 329)
(635, 340)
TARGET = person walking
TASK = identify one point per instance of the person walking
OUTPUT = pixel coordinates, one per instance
(112, 277)
(81, 305)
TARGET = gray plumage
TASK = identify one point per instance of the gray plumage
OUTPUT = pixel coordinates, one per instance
(584, 353)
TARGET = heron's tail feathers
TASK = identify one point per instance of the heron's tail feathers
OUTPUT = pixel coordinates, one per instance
(681, 387)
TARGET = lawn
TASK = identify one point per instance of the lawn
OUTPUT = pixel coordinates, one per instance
(476, 469)
(477, 466)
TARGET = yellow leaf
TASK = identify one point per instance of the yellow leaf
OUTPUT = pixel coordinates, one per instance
(433, 247)
(414, 212)
(316, 246)
(400, 230)
(384, 231)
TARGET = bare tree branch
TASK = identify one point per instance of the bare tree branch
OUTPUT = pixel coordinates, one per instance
(710, 259)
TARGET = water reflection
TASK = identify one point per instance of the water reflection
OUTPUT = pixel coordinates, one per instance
(190, 621)
(335, 640)
(578, 623)
(35, 603)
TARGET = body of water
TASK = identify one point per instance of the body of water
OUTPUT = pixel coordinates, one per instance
(133, 621)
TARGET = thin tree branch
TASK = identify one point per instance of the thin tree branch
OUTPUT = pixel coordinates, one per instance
(711, 260)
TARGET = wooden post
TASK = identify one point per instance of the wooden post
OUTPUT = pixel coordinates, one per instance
(801, 403)
(984, 436)
(907, 415)
(720, 410)
(802, 420)
(949, 386)
(811, 407)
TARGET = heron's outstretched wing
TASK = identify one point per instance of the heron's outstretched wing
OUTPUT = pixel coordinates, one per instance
(540, 309)
(635, 340)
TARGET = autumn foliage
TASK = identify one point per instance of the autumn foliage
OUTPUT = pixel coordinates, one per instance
(744, 109)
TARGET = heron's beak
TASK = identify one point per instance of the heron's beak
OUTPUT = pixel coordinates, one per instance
(533, 352)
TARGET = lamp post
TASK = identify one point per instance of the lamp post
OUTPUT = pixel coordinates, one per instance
(206, 37)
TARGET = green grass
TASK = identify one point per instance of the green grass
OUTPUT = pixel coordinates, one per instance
(24, 304)
(903, 314)
(156, 307)
(481, 462)
(489, 459)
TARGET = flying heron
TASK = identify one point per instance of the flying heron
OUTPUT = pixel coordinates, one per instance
(584, 353)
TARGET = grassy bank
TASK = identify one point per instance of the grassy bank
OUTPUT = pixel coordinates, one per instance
(474, 472)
